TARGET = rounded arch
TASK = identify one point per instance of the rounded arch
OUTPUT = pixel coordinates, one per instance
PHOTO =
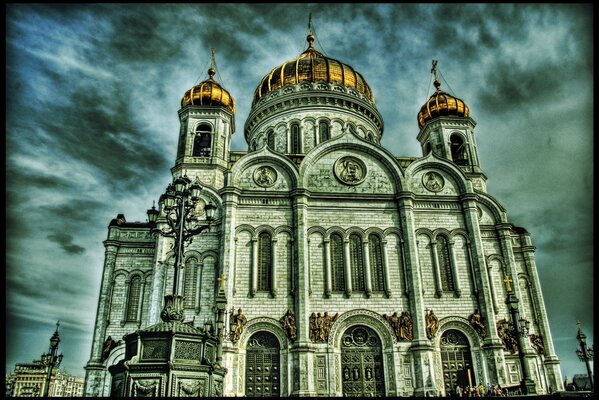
(245, 228)
(264, 228)
(459, 232)
(191, 254)
(208, 253)
(354, 230)
(120, 272)
(117, 354)
(434, 163)
(267, 324)
(361, 317)
(317, 229)
(426, 232)
(136, 272)
(265, 156)
(495, 257)
(335, 229)
(393, 231)
(442, 232)
(496, 209)
(459, 324)
(283, 229)
(376, 231)
(199, 124)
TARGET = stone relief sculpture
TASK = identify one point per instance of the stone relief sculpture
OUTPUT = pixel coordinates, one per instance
(238, 321)
(109, 344)
(288, 323)
(320, 326)
(507, 336)
(350, 170)
(265, 176)
(476, 320)
(432, 324)
(433, 181)
(402, 325)
(537, 342)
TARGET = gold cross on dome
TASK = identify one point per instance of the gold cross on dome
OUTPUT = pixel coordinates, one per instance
(434, 69)
(507, 281)
(222, 279)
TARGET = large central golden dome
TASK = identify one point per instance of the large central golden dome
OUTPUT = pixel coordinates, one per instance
(312, 66)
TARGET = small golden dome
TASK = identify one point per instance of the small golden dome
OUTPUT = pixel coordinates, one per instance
(208, 93)
(312, 66)
(441, 104)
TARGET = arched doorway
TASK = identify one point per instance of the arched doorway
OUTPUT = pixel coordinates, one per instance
(263, 366)
(362, 363)
(456, 361)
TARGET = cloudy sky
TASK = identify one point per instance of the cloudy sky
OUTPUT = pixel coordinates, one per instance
(91, 128)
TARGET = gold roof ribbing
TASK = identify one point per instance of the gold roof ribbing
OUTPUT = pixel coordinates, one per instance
(441, 104)
(208, 93)
(312, 66)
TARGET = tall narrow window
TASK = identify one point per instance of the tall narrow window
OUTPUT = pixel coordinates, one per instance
(295, 139)
(264, 261)
(376, 263)
(337, 265)
(324, 132)
(357, 262)
(134, 297)
(447, 281)
(458, 150)
(190, 282)
(202, 143)
(182, 135)
(270, 137)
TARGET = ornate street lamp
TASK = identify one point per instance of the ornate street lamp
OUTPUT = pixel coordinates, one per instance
(178, 204)
(51, 359)
(521, 328)
(585, 354)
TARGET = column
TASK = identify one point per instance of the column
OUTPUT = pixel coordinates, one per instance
(436, 272)
(454, 269)
(273, 269)
(328, 270)
(367, 271)
(254, 286)
(386, 269)
(347, 265)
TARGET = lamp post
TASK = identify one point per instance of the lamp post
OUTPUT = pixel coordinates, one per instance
(178, 205)
(51, 359)
(521, 328)
(585, 354)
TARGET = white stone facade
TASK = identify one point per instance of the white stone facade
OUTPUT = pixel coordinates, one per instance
(347, 187)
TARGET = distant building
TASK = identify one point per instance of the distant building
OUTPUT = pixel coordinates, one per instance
(581, 382)
(29, 380)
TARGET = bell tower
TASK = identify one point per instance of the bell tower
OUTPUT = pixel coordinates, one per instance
(207, 123)
(447, 130)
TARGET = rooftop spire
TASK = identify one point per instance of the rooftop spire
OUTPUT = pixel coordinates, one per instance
(310, 37)
(212, 70)
(437, 83)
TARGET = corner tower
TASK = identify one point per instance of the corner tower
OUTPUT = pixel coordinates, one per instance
(207, 123)
(447, 130)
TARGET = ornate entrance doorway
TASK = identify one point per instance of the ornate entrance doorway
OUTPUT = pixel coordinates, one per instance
(362, 363)
(262, 371)
(456, 361)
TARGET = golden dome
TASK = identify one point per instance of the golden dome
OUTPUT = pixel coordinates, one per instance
(208, 93)
(312, 66)
(441, 104)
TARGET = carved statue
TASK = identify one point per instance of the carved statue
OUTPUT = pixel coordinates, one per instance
(402, 325)
(537, 342)
(238, 321)
(476, 320)
(320, 326)
(432, 324)
(288, 322)
(507, 336)
(109, 344)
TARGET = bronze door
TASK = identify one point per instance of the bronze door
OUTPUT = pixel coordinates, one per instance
(262, 366)
(456, 361)
(362, 363)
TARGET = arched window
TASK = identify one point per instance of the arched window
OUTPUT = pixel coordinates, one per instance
(253, 145)
(458, 150)
(182, 135)
(190, 281)
(295, 139)
(270, 137)
(357, 261)
(264, 261)
(427, 148)
(376, 263)
(324, 131)
(370, 137)
(202, 143)
(447, 281)
(134, 297)
(337, 264)
(352, 128)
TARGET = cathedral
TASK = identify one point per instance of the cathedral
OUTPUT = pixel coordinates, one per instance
(326, 265)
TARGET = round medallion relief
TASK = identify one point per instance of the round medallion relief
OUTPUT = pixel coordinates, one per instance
(433, 181)
(350, 170)
(265, 176)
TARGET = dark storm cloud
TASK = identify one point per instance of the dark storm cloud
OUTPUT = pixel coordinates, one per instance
(66, 242)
